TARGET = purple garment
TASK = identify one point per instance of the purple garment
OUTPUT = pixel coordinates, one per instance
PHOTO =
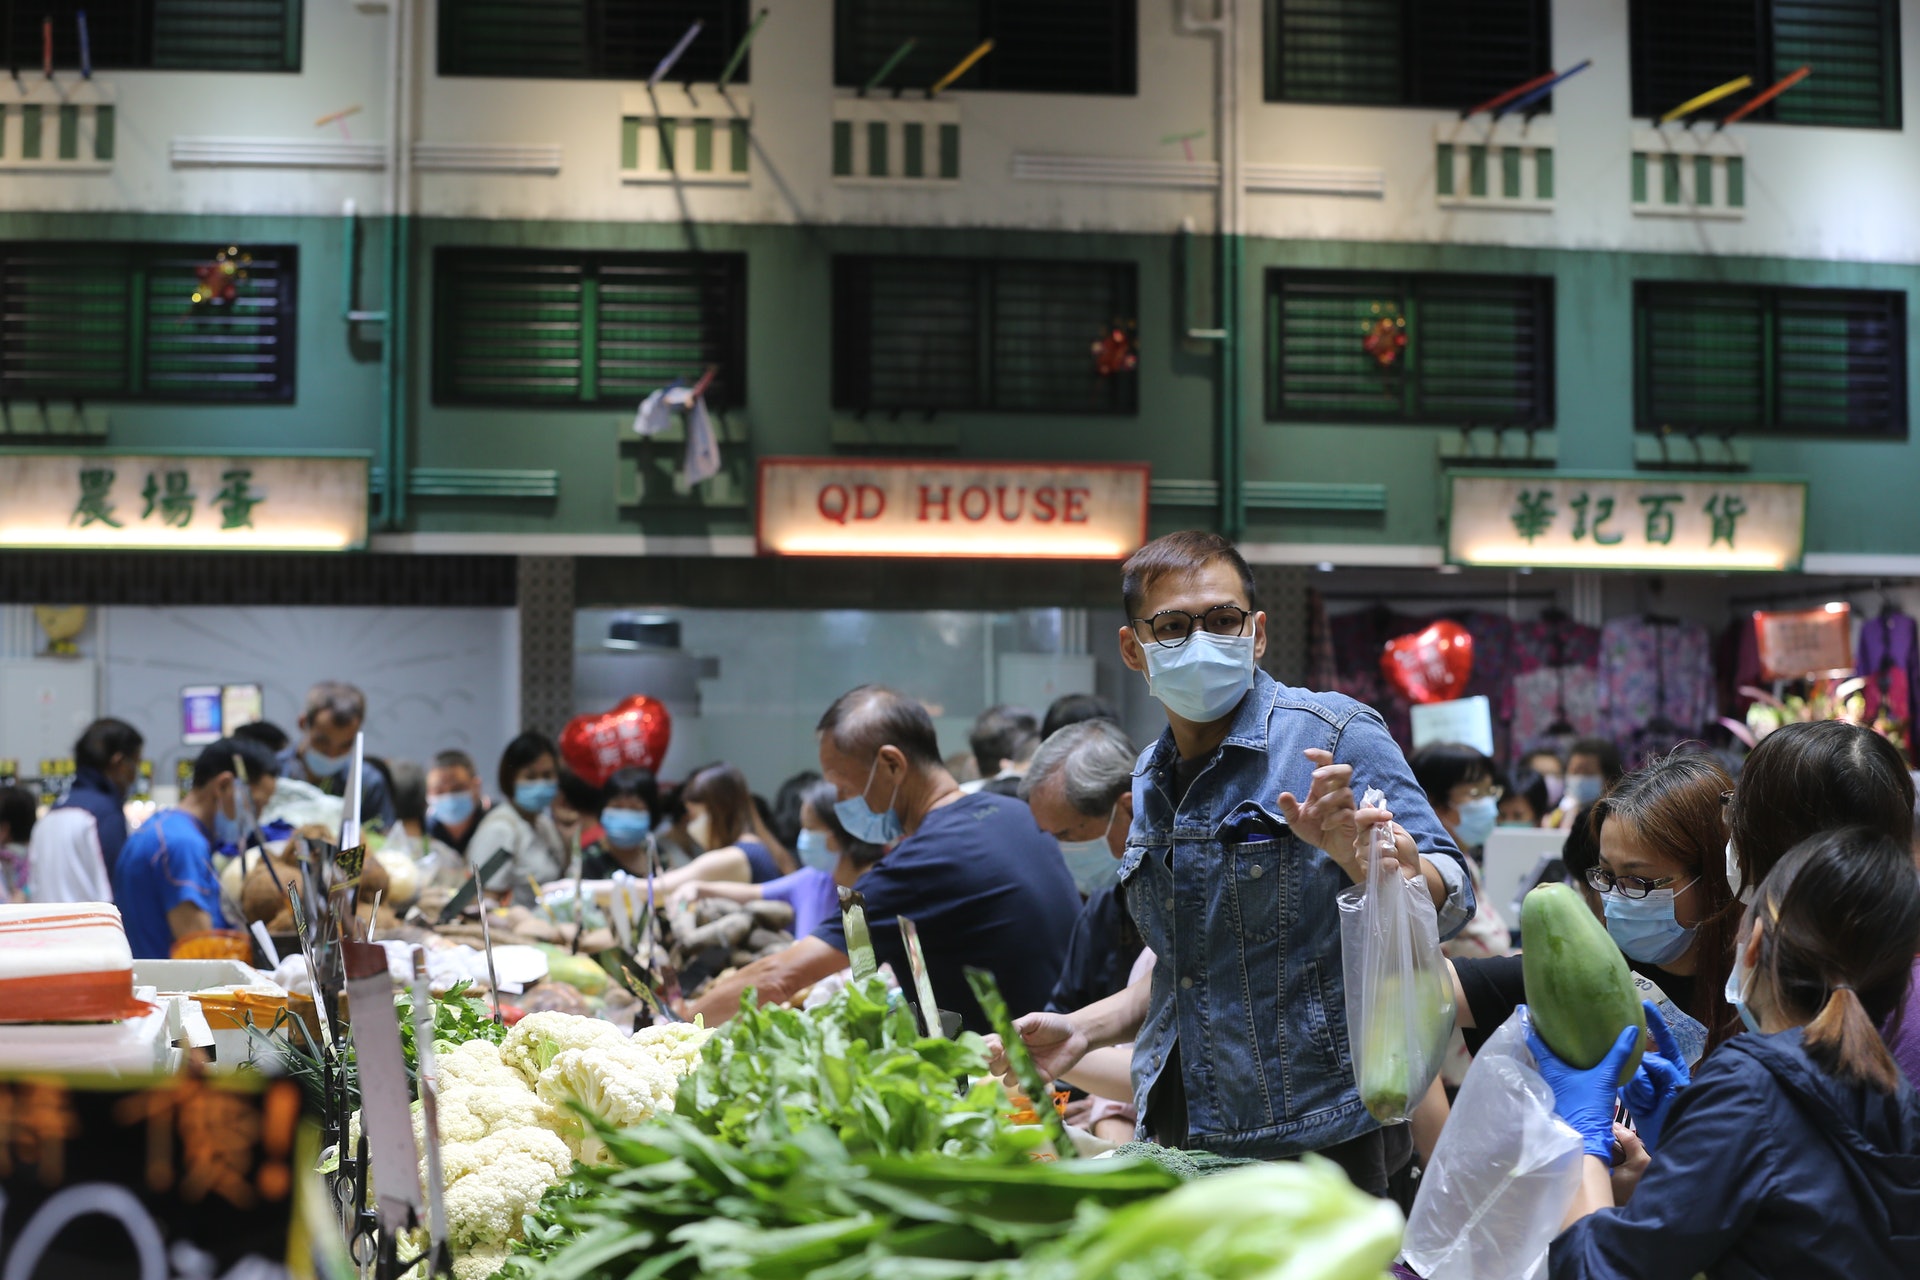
(1905, 1042)
(1888, 643)
(811, 893)
(1653, 670)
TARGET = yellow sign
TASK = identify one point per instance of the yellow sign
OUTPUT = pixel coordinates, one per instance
(1570, 521)
(835, 507)
(173, 502)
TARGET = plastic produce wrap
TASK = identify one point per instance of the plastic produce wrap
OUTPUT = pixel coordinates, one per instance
(1399, 997)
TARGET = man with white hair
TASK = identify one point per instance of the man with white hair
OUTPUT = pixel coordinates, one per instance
(335, 712)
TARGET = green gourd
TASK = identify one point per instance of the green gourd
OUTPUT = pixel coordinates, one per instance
(1578, 986)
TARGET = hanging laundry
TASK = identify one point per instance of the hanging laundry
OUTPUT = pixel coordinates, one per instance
(1556, 691)
(1888, 657)
(1656, 685)
(702, 460)
(703, 450)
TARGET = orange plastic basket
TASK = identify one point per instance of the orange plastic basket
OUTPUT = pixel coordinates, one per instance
(215, 944)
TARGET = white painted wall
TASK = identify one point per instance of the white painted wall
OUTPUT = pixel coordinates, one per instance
(1812, 193)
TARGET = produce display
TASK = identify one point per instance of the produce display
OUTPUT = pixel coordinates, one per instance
(1578, 983)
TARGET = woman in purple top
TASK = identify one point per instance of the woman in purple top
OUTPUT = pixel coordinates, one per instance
(1816, 776)
(829, 857)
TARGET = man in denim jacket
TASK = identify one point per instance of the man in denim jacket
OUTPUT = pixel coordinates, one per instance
(1240, 1034)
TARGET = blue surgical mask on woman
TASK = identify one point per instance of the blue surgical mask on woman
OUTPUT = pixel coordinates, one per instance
(1477, 818)
(813, 850)
(532, 797)
(451, 809)
(1584, 788)
(1645, 928)
(626, 828)
(1202, 679)
(1736, 990)
(862, 822)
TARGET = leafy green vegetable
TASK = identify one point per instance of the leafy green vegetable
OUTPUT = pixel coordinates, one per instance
(457, 1018)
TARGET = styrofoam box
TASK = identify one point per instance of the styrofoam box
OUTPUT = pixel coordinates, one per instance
(132, 1046)
(189, 976)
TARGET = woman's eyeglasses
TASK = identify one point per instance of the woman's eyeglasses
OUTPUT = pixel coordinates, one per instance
(1604, 881)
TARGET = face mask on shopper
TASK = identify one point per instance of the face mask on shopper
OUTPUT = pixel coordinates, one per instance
(1736, 990)
(626, 828)
(861, 822)
(1734, 879)
(1204, 678)
(1556, 789)
(1644, 928)
(532, 797)
(1477, 818)
(226, 829)
(813, 850)
(451, 809)
(1584, 788)
(322, 765)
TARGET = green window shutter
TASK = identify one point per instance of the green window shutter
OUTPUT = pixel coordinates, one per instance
(243, 350)
(1853, 47)
(1841, 363)
(64, 321)
(950, 151)
(1676, 50)
(223, 35)
(1702, 361)
(1317, 367)
(32, 130)
(1046, 317)
(913, 146)
(843, 148)
(1341, 51)
(907, 334)
(668, 316)
(509, 328)
(1483, 351)
(876, 149)
(102, 131)
(589, 39)
(1039, 46)
(1434, 53)
(1443, 168)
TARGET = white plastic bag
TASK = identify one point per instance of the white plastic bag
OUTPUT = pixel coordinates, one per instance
(1502, 1175)
(1399, 997)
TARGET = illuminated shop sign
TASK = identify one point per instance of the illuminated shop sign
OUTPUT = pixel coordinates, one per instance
(834, 507)
(173, 502)
(1567, 521)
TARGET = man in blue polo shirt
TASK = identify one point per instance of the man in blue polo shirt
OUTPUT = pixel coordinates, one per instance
(165, 883)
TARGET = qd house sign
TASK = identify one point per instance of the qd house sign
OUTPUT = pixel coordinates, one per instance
(827, 507)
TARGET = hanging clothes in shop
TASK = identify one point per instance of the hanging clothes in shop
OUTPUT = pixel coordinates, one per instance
(1556, 685)
(1358, 638)
(1656, 684)
(1736, 663)
(1888, 656)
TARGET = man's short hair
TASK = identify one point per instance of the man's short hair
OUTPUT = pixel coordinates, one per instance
(217, 759)
(104, 739)
(1073, 708)
(1002, 733)
(455, 760)
(407, 787)
(266, 733)
(863, 720)
(340, 700)
(1094, 760)
(1179, 554)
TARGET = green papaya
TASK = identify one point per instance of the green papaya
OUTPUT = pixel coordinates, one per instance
(1578, 986)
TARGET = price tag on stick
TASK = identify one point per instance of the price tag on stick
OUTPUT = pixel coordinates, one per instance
(385, 1096)
(922, 981)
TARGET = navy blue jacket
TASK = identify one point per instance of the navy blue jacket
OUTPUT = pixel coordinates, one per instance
(1770, 1167)
(1100, 953)
(91, 791)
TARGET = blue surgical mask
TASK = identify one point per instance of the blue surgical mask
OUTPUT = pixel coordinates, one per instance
(226, 829)
(1204, 678)
(862, 822)
(532, 797)
(451, 809)
(322, 765)
(1584, 788)
(813, 850)
(626, 828)
(1556, 788)
(1090, 861)
(1736, 990)
(1477, 818)
(1644, 928)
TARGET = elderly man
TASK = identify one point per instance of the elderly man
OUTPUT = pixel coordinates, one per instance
(335, 712)
(981, 884)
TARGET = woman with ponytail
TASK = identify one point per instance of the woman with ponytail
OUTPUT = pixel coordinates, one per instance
(1795, 1152)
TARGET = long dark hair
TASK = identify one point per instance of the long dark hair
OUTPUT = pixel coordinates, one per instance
(1673, 805)
(1840, 925)
(731, 813)
(1816, 776)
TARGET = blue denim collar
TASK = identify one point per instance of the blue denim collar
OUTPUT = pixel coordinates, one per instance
(1251, 721)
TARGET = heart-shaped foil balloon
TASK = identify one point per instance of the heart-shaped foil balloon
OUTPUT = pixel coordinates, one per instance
(634, 735)
(1432, 665)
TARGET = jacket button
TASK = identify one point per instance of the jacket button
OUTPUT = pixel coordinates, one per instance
(1186, 984)
(1255, 870)
(1169, 903)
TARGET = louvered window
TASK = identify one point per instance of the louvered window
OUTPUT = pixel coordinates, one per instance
(590, 39)
(1680, 48)
(168, 35)
(1478, 350)
(1009, 336)
(1039, 46)
(534, 328)
(118, 322)
(1406, 53)
(1719, 360)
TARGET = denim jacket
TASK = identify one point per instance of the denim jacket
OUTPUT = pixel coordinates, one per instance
(1242, 920)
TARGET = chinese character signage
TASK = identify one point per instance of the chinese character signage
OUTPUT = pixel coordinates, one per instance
(192, 1170)
(1608, 522)
(835, 507)
(180, 503)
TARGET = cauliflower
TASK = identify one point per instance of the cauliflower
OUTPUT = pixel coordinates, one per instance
(492, 1183)
(676, 1043)
(538, 1038)
(472, 1062)
(620, 1084)
(478, 1264)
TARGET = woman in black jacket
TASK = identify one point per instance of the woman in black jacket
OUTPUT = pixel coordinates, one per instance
(1796, 1150)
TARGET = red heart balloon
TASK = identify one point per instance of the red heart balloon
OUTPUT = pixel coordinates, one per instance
(633, 735)
(1431, 665)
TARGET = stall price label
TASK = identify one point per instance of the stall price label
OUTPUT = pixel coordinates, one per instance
(1557, 520)
(188, 1179)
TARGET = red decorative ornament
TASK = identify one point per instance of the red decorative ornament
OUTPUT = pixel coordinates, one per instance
(1386, 340)
(1115, 351)
(634, 735)
(1431, 665)
(220, 279)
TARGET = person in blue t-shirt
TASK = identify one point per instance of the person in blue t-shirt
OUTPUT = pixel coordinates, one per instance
(984, 886)
(830, 857)
(165, 883)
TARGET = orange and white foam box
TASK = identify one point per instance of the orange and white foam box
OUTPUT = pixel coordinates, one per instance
(67, 999)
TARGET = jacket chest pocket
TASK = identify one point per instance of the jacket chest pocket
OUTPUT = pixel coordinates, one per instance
(1257, 887)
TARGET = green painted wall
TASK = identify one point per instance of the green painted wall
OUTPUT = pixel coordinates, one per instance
(1862, 493)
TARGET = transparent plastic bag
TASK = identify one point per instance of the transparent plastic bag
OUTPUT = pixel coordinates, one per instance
(1502, 1175)
(1399, 997)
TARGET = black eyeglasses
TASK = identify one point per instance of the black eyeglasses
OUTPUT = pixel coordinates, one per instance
(1171, 628)
(1604, 881)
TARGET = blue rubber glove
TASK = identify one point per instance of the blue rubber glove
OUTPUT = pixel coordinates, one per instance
(1659, 1080)
(1584, 1098)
